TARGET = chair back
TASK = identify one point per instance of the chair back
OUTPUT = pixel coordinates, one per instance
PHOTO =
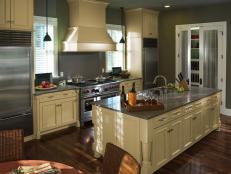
(11, 145)
(129, 165)
(118, 161)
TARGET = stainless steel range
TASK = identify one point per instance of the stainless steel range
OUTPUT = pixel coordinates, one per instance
(92, 91)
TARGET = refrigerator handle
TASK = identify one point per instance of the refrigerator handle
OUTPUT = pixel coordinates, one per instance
(16, 116)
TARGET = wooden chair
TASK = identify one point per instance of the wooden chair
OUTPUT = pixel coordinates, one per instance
(11, 145)
(118, 161)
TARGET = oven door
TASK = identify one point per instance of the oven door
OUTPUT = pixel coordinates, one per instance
(86, 106)
(108, 95)
(86, 109)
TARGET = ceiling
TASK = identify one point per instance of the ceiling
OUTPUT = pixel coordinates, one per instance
(159, 4)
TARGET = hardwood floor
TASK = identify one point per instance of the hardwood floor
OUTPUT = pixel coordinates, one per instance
(212, 155)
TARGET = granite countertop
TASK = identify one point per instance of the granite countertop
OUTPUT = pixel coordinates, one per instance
(58, 89)
(69, 87)
(119, 79)
(171, 100)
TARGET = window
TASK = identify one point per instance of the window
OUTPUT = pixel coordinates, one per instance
(46, 57)
(115, 58)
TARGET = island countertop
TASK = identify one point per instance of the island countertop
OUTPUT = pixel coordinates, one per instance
(171, 101)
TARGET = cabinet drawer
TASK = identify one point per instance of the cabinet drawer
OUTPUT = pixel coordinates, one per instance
(212, 99)
(160, 120)
(49, 97)
(198, 104)
(58, 95)
(189, 108)
(177, 113)
(70, 93)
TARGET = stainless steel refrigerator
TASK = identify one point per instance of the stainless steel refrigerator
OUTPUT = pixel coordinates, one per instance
(15, 81)
(150, 61)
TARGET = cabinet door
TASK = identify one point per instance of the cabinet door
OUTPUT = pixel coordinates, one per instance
(160, 146)
(68, 110)
(149, 25)
(127, 137)
(48, 117)
(206, 120)
(187, 131)
(175, 140)
(21, 14)
(4, 14)
(197, 125)
(214, 116)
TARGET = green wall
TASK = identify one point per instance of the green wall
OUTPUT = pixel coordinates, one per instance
(167, 22)
(113, 16)
(58, 9)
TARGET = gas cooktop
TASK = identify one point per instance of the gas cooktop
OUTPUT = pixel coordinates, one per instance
(90, 83)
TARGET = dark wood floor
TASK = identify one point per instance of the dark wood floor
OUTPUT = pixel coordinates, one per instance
(212, 155)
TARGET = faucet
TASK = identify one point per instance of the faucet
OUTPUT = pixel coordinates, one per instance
(160, 81)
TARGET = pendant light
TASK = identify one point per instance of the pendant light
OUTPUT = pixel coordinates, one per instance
(122, 40)
(47, 37)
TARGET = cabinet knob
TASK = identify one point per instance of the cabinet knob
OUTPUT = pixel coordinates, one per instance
(194, 118)
(12, 22)
(212, 109)
(8, 21)
(162, 119)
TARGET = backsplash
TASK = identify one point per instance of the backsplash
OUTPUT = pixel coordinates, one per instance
(86, 64)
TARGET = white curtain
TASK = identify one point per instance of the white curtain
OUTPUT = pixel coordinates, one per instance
(184, 54)
(210, 55)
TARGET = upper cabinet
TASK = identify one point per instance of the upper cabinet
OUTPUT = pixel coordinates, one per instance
(142, 23)
(16, 14)
(150, 24)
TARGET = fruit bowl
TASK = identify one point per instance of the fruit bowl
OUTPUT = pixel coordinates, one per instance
(46, 86)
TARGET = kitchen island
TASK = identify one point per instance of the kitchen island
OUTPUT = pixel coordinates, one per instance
(156, 137)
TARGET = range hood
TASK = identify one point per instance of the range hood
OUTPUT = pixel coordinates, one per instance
(87, 31)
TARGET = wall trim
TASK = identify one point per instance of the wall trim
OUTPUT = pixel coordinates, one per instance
(220, 26)
(226, 112)
(29, 138)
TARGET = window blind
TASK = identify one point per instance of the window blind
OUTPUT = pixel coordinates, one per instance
(115, 58)
(45, 52)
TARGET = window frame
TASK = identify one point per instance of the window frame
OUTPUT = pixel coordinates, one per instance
(54, 22)
(116, 27)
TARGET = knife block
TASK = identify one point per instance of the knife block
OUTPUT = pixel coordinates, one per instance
(184, 84)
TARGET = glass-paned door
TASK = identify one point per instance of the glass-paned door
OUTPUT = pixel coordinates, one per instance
(183, 53)
(210, 52)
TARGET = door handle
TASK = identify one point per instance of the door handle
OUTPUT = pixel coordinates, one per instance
(201, 81)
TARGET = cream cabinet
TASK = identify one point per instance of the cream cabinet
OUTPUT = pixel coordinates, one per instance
(197, 125)
(187, 131)
(48, 117)
(211, 114)
(150, 24)
(142, 23)
(56, 111)
(160, 146)
(128, 85)
(154, 142)
(206, 119)
(121, 127)
(167, 142)
(16, 14)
